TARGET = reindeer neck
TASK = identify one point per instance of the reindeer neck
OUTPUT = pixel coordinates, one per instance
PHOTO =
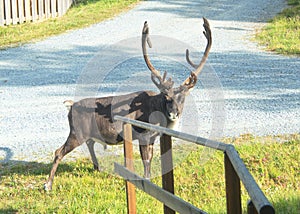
(157, 102)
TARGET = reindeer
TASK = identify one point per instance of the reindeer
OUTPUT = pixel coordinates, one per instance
(93, 118)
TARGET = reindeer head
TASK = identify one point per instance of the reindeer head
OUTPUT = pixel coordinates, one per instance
(174, 97)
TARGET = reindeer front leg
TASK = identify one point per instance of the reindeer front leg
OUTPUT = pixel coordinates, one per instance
(146, 150)
(90, 143)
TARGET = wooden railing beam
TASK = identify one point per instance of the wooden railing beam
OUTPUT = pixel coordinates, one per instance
(258, 198)
(172, 201)
(237, 168)
(183, 136)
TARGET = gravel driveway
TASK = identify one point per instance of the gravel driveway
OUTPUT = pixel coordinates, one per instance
(260, 91)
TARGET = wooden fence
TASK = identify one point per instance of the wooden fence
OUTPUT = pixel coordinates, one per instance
(235, 171)
(19, 11)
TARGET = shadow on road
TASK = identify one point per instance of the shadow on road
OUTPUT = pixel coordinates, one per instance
(235, 10)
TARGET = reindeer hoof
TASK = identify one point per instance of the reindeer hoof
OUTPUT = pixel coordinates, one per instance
(97, 168)
(147, 177)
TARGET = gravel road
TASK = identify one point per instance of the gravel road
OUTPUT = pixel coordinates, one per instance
(255, 91)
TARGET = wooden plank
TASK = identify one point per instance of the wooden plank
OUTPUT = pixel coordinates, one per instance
(59, 8)
(64, 6)
(21, 11)
(8, 19)
(128, 154)
(14, 11)
(34, 10)
(167, 167)
(155, 191)
(233, 188)
(41, 9)
(27, 10)
(69, 4)
(53, 8)
(2, 13)
(47, 9)
(258, 198)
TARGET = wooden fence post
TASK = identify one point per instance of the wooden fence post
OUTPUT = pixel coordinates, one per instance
(233, 188)
(167, 167)
(251, 208)
(128, 155)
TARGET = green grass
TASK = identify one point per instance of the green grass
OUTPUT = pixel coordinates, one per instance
(282, 34)
(273, 161)
(81, 14)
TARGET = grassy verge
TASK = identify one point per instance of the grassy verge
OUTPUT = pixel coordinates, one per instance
(81, 14)
(273, 161)
(282, 34)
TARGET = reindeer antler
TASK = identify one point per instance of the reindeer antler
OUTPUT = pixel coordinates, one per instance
(194, 74)
(161, 83)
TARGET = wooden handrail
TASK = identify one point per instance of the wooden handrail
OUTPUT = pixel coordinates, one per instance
(180, 135)
(258, 198)
(155, 191)
(232, 160)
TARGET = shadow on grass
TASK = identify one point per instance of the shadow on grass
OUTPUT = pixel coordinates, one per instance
(35, 168)
(8, 211)
(287, 205)
(9, 166)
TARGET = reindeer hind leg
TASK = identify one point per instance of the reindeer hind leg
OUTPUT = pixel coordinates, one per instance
(70, 144)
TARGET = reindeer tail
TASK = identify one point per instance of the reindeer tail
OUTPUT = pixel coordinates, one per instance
(68, 103)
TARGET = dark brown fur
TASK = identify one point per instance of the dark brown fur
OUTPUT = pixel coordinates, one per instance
(92, 118)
